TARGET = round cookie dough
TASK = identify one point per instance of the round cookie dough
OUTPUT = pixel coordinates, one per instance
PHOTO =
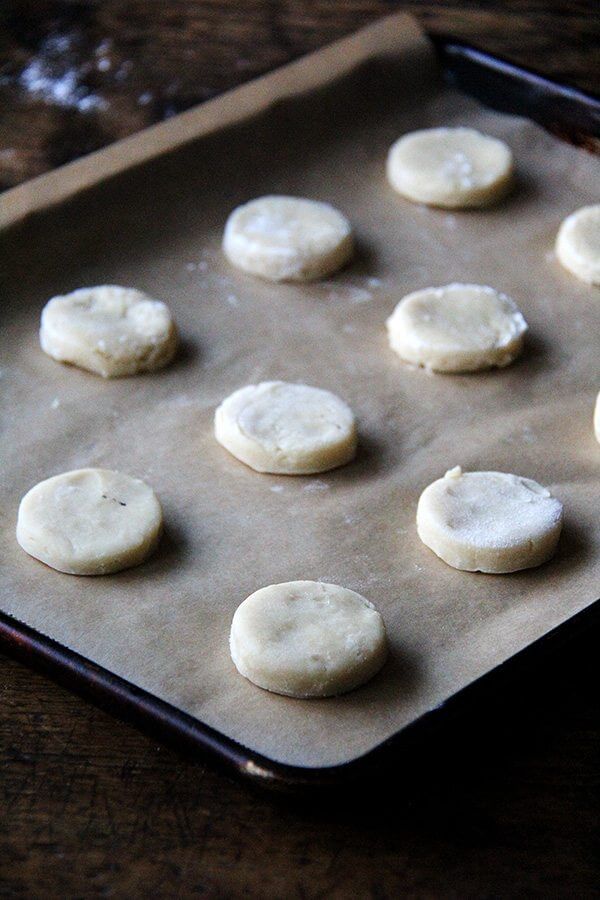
(90, 522)
(455, 168)
(307, 639)
(489, 521)
(286, 429)
(287, 238)
(597, 418)
(578, 244)
(457, 328)
(109, 330)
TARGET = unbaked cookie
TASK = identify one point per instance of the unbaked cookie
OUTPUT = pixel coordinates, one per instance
(489, 521)
(109, 330)
(90, 522)
(307, 639)
(287, 238)
(457, 328)
(578, 244)
(450, 167)
(286, 429)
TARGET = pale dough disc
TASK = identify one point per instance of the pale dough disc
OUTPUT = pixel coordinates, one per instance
(307, 639)
(489, 521)
(597, 418)
(287, 238)
(109, 330)
(89, 522)
(457, 328)
(286, 429)
(578, 244)
(450, 167)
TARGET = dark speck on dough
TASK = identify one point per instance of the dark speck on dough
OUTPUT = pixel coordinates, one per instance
(114, 500)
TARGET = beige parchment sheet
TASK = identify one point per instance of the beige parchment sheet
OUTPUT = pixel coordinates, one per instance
(157, 225)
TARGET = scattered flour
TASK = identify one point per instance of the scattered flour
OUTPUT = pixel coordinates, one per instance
(124, 69)
(200, 266)
(52, 77)
(317, 485)
(359, 295)
(350, 293)
(181, 401)
(102, 54)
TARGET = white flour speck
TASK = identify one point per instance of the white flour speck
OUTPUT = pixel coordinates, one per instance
(57, 44)
(181, 401)
(348, 328)
(232, 300)
(124, 70)
(55, 403)
(317, 485)
(54, 77)
(374, 282)
(103, 61)
(91, 102)
(191, 266)
(202, 266)
(359, 295)
(458, 168)
(145, 98)
(64, 89)
(277, 488)
(351, 294)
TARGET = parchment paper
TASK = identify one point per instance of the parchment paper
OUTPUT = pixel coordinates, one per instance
(157, 225)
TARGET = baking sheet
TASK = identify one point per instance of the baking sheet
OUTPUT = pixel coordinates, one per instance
(156, 224)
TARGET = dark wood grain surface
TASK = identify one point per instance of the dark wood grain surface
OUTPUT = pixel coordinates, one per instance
(78, 74)
(91, 807)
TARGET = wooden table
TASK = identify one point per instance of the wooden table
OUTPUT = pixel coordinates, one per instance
(91, 807)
